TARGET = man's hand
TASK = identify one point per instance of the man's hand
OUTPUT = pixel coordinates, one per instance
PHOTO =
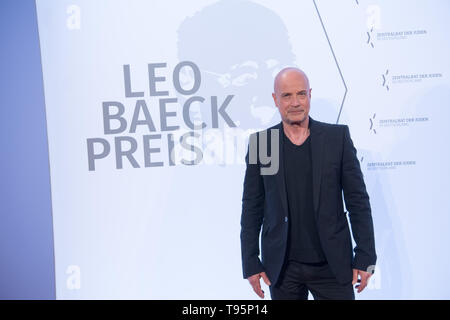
(254, 282)
(364, 278)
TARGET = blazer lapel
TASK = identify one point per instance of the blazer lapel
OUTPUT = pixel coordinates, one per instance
(317, 148)
(280, 176)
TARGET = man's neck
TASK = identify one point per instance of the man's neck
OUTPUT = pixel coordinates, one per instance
(296, 128)
(297, 132)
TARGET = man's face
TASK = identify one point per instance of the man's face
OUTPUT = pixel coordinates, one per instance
(292, 96)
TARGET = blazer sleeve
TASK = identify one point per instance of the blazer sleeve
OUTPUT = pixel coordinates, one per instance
(357, 203)
(251, 218)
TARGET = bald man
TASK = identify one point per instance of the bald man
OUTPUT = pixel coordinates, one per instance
(306, 243)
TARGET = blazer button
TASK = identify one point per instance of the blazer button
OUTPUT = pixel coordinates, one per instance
(285, 219)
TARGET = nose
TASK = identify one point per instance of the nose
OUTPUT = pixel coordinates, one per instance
(295, 101)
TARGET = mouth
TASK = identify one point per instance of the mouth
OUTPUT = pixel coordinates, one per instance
(296, 111)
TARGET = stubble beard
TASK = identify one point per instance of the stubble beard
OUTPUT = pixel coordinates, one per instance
(295, 122)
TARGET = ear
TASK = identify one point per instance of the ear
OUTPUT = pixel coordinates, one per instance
(310, 89)
(275, 99)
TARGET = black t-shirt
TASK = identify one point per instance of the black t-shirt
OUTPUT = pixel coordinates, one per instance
(304, 243)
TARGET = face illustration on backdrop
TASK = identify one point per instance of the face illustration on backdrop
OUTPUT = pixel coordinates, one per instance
(239, 47)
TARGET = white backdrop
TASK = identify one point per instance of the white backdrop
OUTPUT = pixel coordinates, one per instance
(132, 222)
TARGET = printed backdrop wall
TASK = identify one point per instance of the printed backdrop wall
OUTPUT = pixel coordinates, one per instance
(149, 105)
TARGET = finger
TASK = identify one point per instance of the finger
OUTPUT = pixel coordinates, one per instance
(254, 279)
(258, 291)
(265, 278)
(363, 284)
(256, 285)
(361, 288)
(355, 276)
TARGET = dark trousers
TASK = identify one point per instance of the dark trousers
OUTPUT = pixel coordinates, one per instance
(297, 279)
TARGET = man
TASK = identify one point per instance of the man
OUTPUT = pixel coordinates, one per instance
(305, 240)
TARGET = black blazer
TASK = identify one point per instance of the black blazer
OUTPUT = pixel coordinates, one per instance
(336, 169)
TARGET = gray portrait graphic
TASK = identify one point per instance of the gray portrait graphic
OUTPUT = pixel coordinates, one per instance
(239, 47)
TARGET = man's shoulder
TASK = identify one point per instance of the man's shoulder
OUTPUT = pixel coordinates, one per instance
(333, 127)
(327, 126)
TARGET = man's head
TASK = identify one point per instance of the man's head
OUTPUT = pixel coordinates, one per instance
(292, 95)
